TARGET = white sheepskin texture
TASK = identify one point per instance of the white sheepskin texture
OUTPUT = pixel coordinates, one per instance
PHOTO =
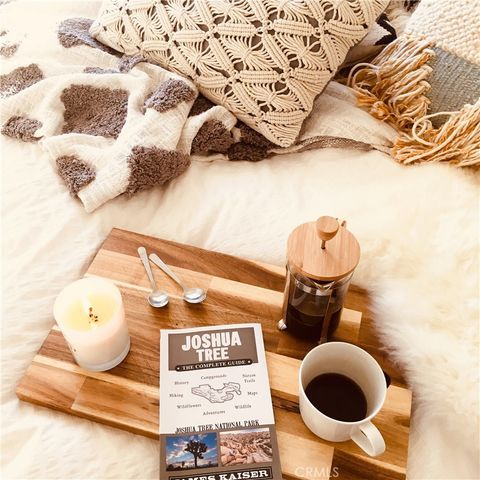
(418, 228)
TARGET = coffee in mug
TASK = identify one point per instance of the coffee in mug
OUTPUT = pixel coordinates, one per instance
(337, 397)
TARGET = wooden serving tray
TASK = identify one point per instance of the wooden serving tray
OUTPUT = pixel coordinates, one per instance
(238, 291)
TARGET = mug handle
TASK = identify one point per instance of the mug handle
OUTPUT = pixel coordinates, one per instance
(369, 439)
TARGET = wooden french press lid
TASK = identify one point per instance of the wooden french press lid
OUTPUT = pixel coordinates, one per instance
(323, 250)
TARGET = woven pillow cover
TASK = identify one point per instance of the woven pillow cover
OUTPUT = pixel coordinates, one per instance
(264, 60)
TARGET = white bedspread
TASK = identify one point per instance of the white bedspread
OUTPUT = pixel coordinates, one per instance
(419, 232)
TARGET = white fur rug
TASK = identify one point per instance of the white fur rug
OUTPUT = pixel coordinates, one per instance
(419, 230)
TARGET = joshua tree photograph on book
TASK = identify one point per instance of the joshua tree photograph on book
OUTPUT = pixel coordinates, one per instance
(188, 452)
(197, 449)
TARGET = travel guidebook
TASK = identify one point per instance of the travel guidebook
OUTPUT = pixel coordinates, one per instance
(216, 414)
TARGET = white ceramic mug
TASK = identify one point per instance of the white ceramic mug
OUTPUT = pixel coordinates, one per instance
(355, 363)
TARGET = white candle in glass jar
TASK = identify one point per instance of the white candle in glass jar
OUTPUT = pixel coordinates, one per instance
(91, 317)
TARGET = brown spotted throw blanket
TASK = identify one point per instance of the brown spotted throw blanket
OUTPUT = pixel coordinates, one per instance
(111, 125)
(115, 125)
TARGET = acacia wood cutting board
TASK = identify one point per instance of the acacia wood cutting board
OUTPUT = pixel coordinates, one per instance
(238, 291)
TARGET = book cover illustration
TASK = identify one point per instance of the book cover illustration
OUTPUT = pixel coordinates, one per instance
(216, 414)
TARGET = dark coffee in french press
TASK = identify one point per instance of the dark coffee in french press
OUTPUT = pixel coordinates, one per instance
(314, 308)
(321, 258)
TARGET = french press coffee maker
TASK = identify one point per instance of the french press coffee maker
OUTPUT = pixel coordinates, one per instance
(321, 258)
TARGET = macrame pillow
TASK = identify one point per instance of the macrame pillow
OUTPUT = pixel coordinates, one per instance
(264, 60)
(427, 84)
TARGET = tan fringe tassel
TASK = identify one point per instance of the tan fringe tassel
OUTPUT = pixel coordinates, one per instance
(393, 88)
(456, 142)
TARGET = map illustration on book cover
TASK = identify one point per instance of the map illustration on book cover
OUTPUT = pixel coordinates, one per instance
(216, 414)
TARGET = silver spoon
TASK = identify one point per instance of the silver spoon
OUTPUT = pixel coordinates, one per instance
(156, 298)
(190, 295)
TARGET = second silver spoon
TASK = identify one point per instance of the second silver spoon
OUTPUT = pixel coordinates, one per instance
(190, 295)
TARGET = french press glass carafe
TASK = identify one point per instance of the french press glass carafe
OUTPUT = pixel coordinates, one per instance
(321, 258)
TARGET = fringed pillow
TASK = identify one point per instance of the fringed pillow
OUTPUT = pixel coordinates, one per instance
(427, 84)
(264, 60)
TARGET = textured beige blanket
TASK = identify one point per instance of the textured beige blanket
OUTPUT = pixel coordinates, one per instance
(111, 125)
(116, 125)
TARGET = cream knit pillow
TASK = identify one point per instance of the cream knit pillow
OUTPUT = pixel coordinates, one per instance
(264, 60)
